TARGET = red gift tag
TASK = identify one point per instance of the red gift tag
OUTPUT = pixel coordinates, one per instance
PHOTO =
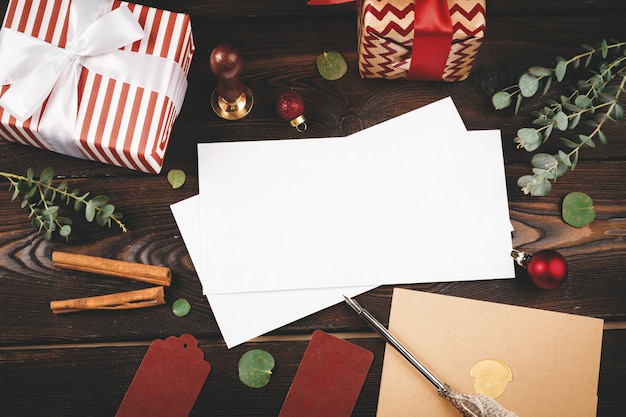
(329, 378)
(168, 380)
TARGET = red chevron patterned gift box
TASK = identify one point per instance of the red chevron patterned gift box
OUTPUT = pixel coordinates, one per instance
(418, 39)
(94, 79)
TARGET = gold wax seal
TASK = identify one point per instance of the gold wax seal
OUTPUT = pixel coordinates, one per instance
(490, 377)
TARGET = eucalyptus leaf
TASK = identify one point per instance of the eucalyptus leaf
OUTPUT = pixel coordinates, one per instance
(548, 131)
(101, 219)
(574, 121)
(79, 201)
(255, 368)
(90, 211)
(577, 209)
(560, 70)
(30, 193)
(617, 112)
(64, 220)
(575, 161)
(605, 48)
(40, 198)
(546, 87)
(100, 200)
(181, 307)
(30, 175)
(561, 120)
(564, 158)
(529, 138)
(540, 71)
(176, 178)
(583, 102)
(561, 168)
(50, 213)
(331, 65)
(46, 176)
(542, 121)
(501, 100)
(571, 107)
(587, 141)
(534, 185)
(528, 85)
(65, 230)
(544, 173)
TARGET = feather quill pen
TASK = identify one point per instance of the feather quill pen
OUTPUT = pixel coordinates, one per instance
(469, 405)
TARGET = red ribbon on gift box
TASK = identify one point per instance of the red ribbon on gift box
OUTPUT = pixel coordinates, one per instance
(432, 37)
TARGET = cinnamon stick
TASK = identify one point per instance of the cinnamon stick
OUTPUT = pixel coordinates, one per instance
(148, 297)
(153, 274)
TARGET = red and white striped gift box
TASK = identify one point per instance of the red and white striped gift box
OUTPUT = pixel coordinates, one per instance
(117, 122)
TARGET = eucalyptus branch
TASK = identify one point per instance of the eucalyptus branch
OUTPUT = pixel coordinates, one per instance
(594, 100)
(39, 197)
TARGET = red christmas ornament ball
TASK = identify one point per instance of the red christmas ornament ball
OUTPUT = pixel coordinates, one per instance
(290, 107)
(547, 269)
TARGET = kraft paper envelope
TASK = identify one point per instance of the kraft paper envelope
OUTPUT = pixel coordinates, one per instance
(554, 358)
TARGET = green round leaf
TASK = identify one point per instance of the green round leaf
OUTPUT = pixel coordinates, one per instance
(528, 85)
(47, 175)
(100, 200)
(540, 71)
(587, 140)
(560, 70)
(331, 65)
(577, 209)
(255, 368)
(181, 307)
(528, 134)
(543, 161)
(65, 230)
(176, 178)
(535, 185)
(561, 120)
(617, 112)
(529, 138)
(605, 48)
(583, 102)
(501, 100)
(90, 211)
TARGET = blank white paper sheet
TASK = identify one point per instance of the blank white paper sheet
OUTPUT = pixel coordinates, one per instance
(413, 199)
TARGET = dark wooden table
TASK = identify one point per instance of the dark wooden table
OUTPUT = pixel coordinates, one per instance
(82, 364)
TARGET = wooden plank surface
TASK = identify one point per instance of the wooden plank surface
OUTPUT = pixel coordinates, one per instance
(75, 364)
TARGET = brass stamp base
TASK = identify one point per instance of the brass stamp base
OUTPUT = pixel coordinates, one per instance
(234, 110)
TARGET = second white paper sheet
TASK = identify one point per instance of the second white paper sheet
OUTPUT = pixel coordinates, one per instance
(244, 316)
